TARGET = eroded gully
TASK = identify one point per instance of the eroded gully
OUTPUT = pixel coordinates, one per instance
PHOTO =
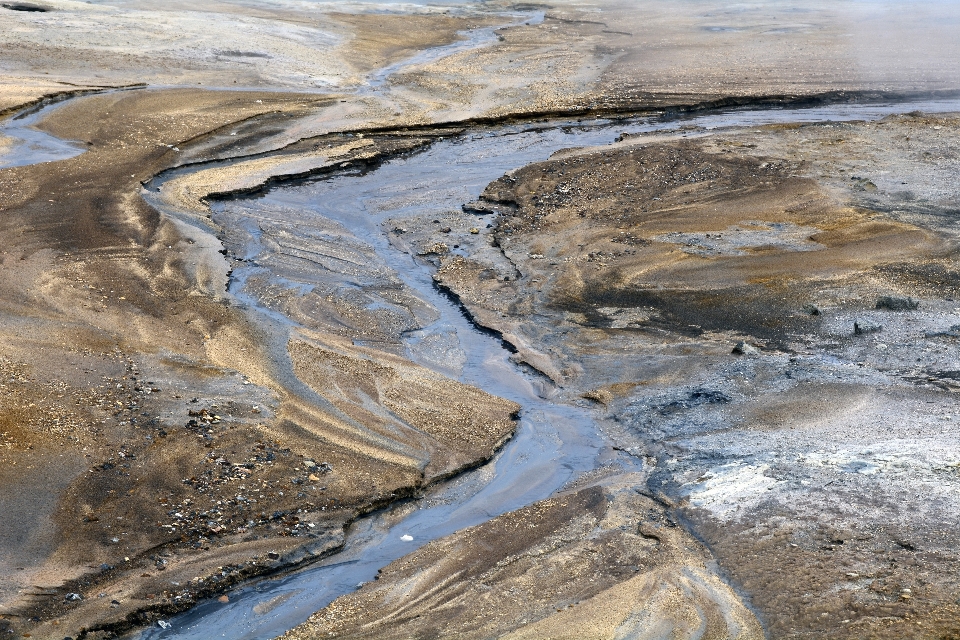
(555, 442)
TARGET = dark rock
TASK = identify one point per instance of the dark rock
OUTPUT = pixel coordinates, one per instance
(695, 398)
(24, 6)
(864, 327)
(479, 208)
(891, 303)
(811, 309)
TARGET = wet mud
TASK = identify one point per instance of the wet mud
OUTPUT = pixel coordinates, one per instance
(492, 309)
(726, 275)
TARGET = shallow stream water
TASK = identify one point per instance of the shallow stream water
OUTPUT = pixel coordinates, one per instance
(30, 145)
(554, 443)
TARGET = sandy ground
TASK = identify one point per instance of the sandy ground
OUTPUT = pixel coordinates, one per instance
(160, 443)
(132, 379)
(635, 575)
(580, 54)
(792, 456)
(16, 92)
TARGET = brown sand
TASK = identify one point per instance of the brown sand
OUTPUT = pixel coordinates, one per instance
(115, 318)
(110, 335)
(601, 562)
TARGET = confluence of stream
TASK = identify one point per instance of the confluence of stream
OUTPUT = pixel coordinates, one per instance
(554, 443)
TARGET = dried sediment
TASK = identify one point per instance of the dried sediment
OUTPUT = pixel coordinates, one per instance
(599, 562)
(115, 318)
(663, 236)
(791, 457)
(182, 460)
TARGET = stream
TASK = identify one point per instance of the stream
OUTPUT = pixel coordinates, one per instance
(30, 145)
(554, 442)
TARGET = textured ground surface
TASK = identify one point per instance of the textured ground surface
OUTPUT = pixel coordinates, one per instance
(146, 413)
(815, 463)
(159, 441)
(598, 562)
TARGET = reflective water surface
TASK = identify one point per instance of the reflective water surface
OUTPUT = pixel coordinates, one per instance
(554, 443)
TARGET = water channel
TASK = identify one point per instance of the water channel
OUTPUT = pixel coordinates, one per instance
(555, 442)
(30, 145)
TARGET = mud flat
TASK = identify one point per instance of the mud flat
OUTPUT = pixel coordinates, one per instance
(781, 311)
(403, 209)
(157, 429)
(755, 325)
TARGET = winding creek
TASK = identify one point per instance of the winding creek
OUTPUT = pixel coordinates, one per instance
(555, 442)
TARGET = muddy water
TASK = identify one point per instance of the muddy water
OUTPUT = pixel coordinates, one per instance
(30, 145)
(554, 443)
(470, 39)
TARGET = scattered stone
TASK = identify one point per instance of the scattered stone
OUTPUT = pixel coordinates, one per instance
(600, 396)
(479, 208)
(891, 303)
(953, 332)
(223, 599)
(407, 537)
(474, 230)
(744, 349)
(73, 596)
(437, 249)
(863, 327)
(273, 555)
(163, 624)
(696, 398)
(811, 310)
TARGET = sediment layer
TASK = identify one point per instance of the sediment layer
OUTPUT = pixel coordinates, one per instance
(160, 442)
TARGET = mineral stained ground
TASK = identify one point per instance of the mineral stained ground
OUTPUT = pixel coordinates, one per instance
(763, 317)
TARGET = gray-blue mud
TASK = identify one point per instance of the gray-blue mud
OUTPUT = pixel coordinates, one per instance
(554, 443)
(32, 145)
